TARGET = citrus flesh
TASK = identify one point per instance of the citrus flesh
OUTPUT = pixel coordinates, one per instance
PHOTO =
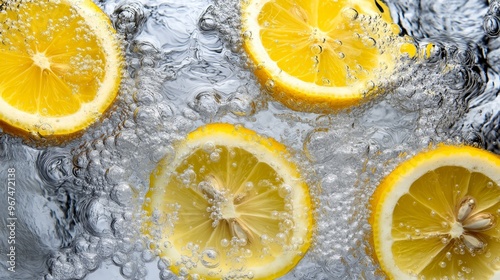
(436, 216)
(61, 65)
(230, 204)
(315, 55)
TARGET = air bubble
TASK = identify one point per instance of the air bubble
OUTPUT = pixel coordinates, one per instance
(54, 167)
(248, 186)
(215, 156)
(147, 256)
(284, 191)
(209, 147)
(491, 25)
(350, 13)
(247, 34)
(115, 174)
(270, 85)
(274, 215)
(122, 194)
(316, 49)
(207, 21)
(129, 18)
(369, 42)
(106, 247)
(224, 243)
(210, 258)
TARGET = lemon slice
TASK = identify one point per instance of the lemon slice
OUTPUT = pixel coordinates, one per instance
(229, 205)
(61, 66)
(436, 216)
(321, 55)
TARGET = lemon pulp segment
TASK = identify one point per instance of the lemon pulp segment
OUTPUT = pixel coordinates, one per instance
(318, 55)
(61, 65)
(232, 205)
(436, 216)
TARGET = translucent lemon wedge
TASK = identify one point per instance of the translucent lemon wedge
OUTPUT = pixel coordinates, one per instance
(229, 205)
(436, 216)
(61, 66)
(316, 55)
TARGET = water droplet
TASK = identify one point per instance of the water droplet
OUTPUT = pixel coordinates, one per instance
(45, 129)
(147, 256)
(128, 270)
(442, 264)
(275, 215)
(115, 174)
(106, 247)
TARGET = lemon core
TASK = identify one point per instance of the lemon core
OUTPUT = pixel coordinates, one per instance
(40, 60)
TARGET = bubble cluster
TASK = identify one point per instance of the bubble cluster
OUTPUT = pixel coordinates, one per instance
(491, 21)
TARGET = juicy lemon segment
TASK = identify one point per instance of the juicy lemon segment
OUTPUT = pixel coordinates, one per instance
(317, 55)
(230, 204)
(61, 65)
(436, 216)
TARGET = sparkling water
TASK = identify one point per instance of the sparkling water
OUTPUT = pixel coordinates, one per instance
(78, 204)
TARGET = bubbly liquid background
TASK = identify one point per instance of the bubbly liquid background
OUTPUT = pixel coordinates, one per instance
(78, 205)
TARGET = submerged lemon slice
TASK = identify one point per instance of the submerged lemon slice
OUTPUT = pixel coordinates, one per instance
(315, 55)
(436, 216)
(229, 205)
(60, 66)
